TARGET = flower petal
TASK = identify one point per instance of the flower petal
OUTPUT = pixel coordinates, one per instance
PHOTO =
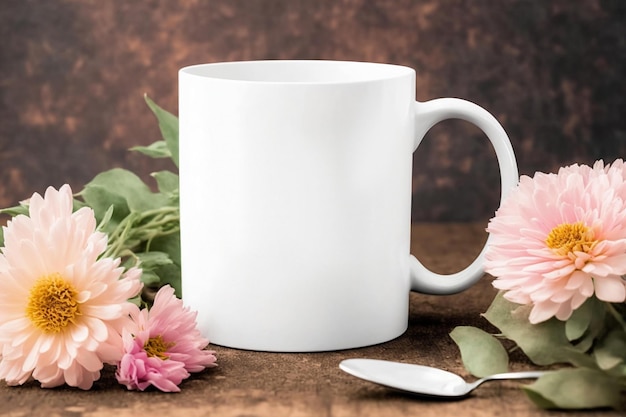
(611, 289)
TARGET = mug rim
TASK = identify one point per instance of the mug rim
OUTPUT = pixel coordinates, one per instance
(298, 72)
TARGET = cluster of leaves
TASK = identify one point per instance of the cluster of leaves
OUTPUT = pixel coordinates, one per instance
(142, 226)
(586, 353)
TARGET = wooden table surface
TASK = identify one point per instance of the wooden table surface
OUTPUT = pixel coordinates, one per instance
(310, 384)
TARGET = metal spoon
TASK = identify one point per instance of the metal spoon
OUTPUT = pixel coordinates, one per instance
(421, 380)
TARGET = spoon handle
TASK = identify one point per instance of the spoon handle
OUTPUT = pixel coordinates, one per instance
(509, 375)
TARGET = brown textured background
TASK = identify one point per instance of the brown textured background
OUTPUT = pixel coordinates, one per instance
(72, 76)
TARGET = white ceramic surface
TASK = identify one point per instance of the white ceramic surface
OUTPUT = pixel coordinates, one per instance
(295, 182)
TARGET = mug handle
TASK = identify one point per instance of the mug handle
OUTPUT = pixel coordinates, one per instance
(427, 114)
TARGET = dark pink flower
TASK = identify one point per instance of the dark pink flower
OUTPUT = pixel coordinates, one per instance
(162, 346)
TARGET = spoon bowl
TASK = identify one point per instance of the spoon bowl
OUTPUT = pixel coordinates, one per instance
(421, 380)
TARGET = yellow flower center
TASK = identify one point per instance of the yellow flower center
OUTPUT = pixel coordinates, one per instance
(156, 346)
(52, 304)
(570, 237)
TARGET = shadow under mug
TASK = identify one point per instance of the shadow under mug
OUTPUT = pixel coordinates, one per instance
(295, 194)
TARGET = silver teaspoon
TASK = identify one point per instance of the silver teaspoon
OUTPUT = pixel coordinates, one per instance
(421, 380)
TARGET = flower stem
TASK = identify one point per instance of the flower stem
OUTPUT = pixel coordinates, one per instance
(137, 228)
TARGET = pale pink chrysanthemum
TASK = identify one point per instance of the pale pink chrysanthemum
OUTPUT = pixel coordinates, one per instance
(62, 309)
(558, 239)
(163, 346)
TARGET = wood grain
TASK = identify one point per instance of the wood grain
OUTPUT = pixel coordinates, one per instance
(310, 384)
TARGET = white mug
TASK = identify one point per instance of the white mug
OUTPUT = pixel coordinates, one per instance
(295, 199)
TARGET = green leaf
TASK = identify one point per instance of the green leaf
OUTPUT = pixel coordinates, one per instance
(167, 182)
(16, 210)
(578, 323)
(596, 326)
(168, 124)
(611, 350)
(544, 343)
(100, 198)
(170, 274)
(169, 244)
(125, 190)
(580, 388)
(155, 150)
(150, 279)
(482, 353)
(77, 205)
(153, 259)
